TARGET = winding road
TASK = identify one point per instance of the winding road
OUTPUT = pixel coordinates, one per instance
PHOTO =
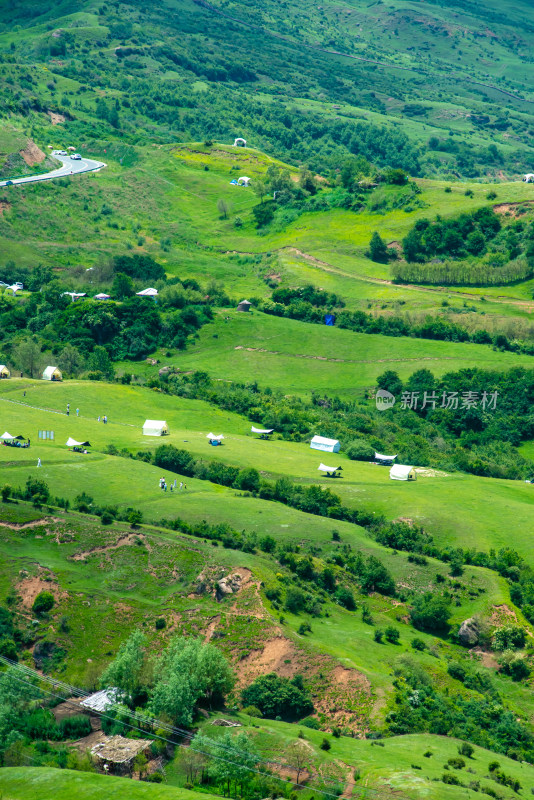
(68, 167)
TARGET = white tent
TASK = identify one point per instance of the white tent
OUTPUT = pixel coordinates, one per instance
(402, 472)
(155, 427)
(213, 438)
(239, 142)
(52, 374)
(7, 436)
(73, 295)
(328, 445)
(4, 372)
(73, 443)
(262, 431)
(147, 293)
(382, 459)
(101, 296)
(328, 470)
(529, 177)
(243, 181)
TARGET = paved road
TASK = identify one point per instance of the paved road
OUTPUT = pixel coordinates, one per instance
(68, 167)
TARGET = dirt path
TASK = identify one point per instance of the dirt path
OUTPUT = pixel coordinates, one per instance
(343, 360)
(36, 523)
(124, 541)
(528, 305)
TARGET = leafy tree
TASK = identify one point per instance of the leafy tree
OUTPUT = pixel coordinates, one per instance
(360, 450)
(248, 480)
(376, 578)
(43, 602)
(298, 755)
(345, 598)
(170, 457)
(122, 286)
(278, 697)
(29, 357)
(70, 359)
(223, 208)
(99, 361)
(124, 672)
(295, 600)
(263, 214)
(15, 700)
(392, 634)
(431, 613)
(377, 249)
(189, 671)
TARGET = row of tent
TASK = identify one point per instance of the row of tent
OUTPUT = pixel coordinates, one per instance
(49, 374)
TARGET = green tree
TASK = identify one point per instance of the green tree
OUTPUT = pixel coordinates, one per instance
(27, 355)
(298, 755)
(430, 613)
(70, 359)
(223, 208)
(43, 602)
(263, 214)
(377, 249)
(276, 696)
(124, 672)
(99, 361)
(122, 286)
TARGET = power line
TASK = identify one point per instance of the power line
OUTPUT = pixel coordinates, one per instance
(28, 672)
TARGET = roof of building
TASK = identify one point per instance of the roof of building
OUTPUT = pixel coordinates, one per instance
(49, 371)
(324, 440)
(154, 423)
(400, 471)
(119, 750)
(100, 701)
(150, 292)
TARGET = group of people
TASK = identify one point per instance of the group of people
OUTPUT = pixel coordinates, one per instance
(68, 411)
(104, 419)
(163, 485)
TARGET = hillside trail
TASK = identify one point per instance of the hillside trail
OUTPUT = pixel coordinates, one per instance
(325, 266)
(527, 305)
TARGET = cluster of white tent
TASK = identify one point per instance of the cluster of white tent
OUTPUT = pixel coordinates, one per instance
(78, 447)
(397, 472)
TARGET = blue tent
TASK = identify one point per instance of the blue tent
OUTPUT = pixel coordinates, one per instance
(329, 319)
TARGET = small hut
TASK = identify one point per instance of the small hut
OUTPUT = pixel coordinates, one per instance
(150, 292)
(244, 305)
(116, 754)
(52, 374)
(328, 445)
(155, 427)
(239, 142)
(4, 372)
(402, 472)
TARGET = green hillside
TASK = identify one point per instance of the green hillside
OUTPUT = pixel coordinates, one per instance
(269, 629)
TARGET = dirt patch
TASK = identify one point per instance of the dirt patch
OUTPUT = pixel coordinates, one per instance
(396, 245)
(511, 208)
(31, 154)
(56, 119)
(431, 473)
(36, 523)
(4, 207)
(29, 588)
(124, 541)
(340, 360)
(212, 624)
(279, 655)
(503, 615)
(487, 659)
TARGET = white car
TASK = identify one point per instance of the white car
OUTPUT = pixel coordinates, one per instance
(19, 285)
(62, 153)
(76, 157)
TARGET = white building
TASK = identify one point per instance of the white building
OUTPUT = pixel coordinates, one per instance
(327, 445)
(401, 472)
(155, 427)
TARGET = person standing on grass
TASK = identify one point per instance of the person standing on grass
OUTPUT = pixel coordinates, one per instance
(77, 412)
(174, 483)
(99, 419)
(68, 409)
(104, 419)
(38, 462)
(181, 485)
